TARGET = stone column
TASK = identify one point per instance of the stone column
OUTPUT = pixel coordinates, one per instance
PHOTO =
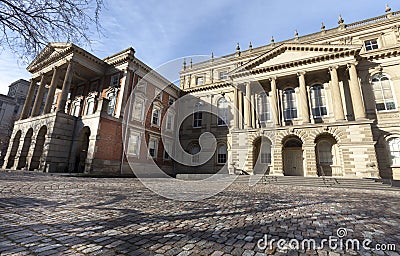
(253, 112)
(123, 94)
(336, 96)
(305, 112)
(28, 100)
(240, 109)
(39, 98)
(274, 101)
(66, 86)
(236, 108)
(247, 107)
(356, 94)
(51, 92)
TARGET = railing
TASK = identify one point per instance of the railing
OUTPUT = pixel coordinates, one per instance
(369, 21)
(327, 181)
(266, 178)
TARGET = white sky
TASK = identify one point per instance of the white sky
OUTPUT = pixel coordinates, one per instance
(162, 30)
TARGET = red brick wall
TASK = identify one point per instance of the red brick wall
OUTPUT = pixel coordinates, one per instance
(109, 142)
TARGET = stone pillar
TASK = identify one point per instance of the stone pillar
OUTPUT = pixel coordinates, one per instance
(240, 109)
(336, 96)
(123, 94)
(39, 98)
(28, 100)
(247, 107)
(65, 89)
(274, 101)
(305, 110)
(253, 112)
(236, 108)
(51, 92)
(356, 94)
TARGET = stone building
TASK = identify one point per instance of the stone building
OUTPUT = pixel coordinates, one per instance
(79, 128)
(10, 109)
(326, 103)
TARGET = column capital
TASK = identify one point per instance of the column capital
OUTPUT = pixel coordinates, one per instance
(272, 78)
(334, 67)
(300, 73)
(352, 64)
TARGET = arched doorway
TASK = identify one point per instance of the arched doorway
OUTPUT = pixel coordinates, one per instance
(38, 151)
(261, 155)
(327, 156)
(14, 148)
(25, 149)
(293, 156)
(82, 149)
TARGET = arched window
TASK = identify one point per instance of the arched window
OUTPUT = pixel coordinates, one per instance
(222, 111)
(394, 147)
(221, 154)
(381, 86)
(318, 101)
(263, 108)
(325, 153)
(197, 115)
(289, 104)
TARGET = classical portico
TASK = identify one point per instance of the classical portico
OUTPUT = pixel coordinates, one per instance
(313, 93)
(43, 137)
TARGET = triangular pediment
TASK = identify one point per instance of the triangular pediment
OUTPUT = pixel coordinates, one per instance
(50, 51)
(291, 53)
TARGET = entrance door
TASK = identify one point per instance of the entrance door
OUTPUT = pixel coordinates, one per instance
(293, 164)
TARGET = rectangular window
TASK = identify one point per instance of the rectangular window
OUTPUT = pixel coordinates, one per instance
(167, 148)
(156, 117)
(199, 80)
(197, 119)
(371, 45)
(141, 86)
(170, 122)
(114, 80)
(223, 75)
(77, 109)
(90, 107)
(138, 109)
(134, 144)
(153, 147)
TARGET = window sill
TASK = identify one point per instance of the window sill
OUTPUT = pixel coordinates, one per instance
(387, 111)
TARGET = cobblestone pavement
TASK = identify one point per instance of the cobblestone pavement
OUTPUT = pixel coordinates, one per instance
(53, 215)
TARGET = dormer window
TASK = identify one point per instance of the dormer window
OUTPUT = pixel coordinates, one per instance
(223, 75)
(199, 80)
(371, 44)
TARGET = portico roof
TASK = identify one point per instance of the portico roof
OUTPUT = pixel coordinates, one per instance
(289, 55)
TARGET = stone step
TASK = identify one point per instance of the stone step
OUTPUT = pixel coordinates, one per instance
(346, 183)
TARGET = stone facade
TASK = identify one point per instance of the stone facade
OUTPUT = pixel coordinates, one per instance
(79, 126)
(10, 109)
(320, 104)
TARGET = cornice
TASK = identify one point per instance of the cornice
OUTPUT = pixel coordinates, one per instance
(329, 55)
(207, 87)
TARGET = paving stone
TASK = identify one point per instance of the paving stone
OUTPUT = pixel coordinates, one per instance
(53, 215)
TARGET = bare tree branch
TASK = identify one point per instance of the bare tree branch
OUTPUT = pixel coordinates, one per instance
(26, 26)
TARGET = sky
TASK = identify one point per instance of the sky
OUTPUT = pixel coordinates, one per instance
(163, 30)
